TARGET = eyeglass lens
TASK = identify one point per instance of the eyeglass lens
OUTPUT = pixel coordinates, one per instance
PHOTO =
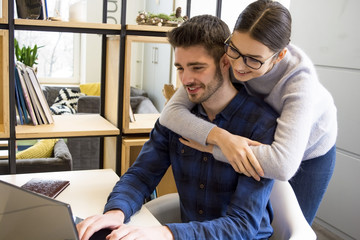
(249, 61)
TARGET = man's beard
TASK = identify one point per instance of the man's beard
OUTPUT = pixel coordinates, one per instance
(210, 89)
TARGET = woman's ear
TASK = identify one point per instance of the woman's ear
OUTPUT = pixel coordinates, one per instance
(281, 55)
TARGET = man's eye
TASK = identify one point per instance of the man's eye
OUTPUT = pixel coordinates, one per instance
(179, 69)
(197, 68)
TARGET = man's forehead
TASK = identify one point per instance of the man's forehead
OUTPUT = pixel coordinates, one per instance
(189, 56)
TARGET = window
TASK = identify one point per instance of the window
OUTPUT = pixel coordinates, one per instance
(59, 55)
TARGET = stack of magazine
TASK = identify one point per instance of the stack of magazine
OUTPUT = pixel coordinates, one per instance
(31, 104)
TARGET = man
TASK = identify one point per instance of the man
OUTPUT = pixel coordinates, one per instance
(216, 202)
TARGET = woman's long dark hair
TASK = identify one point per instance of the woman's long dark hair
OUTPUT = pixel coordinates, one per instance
(268, 22)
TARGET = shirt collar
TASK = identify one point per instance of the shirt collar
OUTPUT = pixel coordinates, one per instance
(234, 105)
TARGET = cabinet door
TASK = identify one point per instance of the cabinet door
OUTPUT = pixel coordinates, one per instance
(156, 72)
(131, 148)
(340, 206)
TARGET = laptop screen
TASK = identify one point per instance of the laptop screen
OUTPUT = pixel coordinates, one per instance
(26, 215)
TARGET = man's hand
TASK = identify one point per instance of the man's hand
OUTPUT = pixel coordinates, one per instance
(126, 232)
(112, 219)
(237, 151)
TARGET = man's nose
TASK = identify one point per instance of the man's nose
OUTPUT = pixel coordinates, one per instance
(186, 78)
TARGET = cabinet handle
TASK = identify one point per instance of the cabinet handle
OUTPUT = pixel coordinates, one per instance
(155, 55)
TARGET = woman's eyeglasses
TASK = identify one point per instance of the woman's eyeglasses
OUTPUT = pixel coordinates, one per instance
(249, 61)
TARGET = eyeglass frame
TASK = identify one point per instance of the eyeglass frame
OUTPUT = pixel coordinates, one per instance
(227, 45)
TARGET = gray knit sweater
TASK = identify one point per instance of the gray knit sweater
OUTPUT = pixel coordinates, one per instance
(307, 126)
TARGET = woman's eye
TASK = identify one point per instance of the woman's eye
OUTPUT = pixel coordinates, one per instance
(252, 60)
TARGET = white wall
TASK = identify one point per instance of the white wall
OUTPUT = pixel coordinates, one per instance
(328, 31)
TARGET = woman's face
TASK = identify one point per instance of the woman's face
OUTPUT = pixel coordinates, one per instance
(249, 47)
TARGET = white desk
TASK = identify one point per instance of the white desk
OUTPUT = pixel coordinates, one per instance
(87, 192)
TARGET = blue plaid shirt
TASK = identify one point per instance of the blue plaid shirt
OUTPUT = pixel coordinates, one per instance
(216, 202)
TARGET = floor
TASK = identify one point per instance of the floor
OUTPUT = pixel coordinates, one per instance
(324, 234)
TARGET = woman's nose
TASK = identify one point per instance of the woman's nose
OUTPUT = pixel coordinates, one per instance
(238, 63)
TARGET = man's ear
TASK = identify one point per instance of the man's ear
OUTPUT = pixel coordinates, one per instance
(281, 55)
(224, 63)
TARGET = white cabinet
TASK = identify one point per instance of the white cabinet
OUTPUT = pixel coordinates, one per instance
(340, 207)
(326, 31)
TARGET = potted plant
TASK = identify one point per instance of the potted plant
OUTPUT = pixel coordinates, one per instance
(27, 55)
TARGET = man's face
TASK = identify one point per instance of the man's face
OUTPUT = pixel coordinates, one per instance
(198, 73)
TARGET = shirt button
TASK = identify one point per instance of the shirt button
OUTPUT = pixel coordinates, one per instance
(182, 150)
(205, 159)
(201, 212)
(202, 186)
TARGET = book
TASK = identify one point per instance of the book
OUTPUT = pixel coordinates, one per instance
(28, 103)
(131, 114)
(21, 97)
(39, 113)
(19, 110)
(43, 103)
(47, 187)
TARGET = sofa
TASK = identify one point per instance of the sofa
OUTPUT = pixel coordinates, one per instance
(60, 161)
(85, 151)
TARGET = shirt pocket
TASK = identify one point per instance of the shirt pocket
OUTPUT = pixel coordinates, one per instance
(185, 160)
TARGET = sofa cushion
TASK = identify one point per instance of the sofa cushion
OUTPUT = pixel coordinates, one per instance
(42, 149)
(66, 102)
(90, 89)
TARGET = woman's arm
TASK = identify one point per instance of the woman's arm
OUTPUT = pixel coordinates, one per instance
(176, 116)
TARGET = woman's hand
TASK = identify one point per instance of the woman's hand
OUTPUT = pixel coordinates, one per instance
(193, 144)
(237, 151)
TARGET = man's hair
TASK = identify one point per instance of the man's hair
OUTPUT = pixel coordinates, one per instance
(204, 30)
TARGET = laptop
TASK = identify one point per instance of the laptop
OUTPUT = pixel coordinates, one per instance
(27, 215)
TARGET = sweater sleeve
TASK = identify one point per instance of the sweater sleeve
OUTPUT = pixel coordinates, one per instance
(177, 116)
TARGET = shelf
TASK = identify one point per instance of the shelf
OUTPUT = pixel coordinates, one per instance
(86, 26)
(148, 28)
(144, 123)
(69, 126)
(4, 144)
(3, 154)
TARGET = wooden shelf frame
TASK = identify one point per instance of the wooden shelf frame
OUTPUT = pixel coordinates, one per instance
(4, 12)
(64, 126)
(4, 84)
(108, 114)
(143, 122)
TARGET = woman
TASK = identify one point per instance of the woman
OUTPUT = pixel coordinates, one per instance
(303, 151)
